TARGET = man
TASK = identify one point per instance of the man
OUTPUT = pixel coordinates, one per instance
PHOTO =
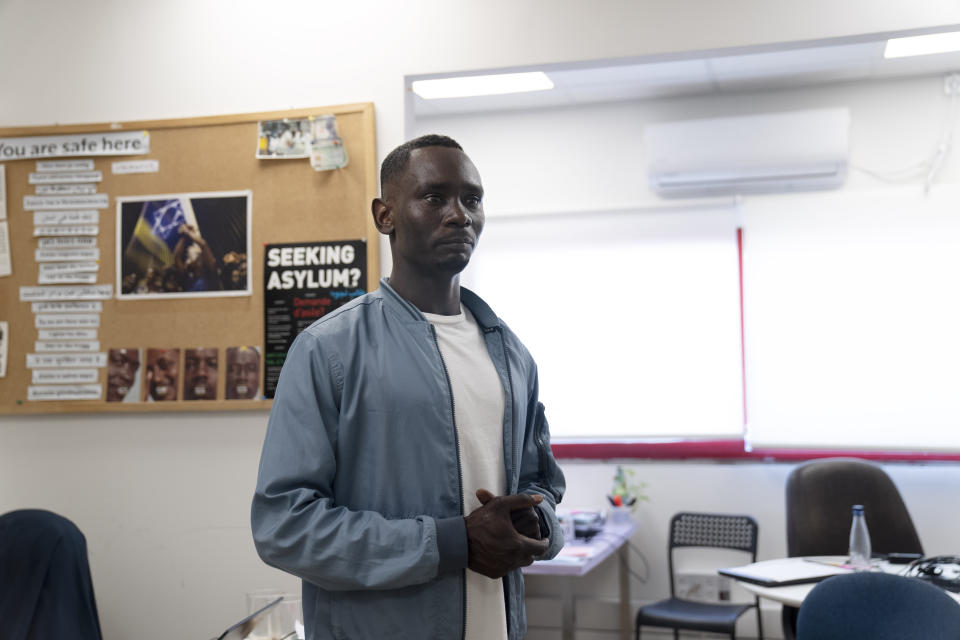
(163, 369)
(406, 474)
(200, 374)
(194, 262)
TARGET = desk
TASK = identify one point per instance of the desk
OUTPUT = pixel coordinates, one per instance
(794, 594)
(577, 558)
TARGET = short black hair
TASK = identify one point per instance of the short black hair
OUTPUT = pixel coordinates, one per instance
(396, 161)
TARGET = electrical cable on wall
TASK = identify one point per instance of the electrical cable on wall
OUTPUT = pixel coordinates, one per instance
(646, 568)
(929, 167)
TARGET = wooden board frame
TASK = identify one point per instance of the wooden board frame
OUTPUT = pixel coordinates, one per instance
(290, 203)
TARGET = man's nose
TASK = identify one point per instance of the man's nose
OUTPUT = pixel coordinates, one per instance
(458, 215)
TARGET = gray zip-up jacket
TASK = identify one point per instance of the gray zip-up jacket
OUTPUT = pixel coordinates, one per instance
(359, 490)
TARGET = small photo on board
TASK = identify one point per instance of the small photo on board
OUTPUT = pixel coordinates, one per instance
(183, 245)
(243, 373)
(123, 375)
(200, 373)
(162, 374)
(287, 138)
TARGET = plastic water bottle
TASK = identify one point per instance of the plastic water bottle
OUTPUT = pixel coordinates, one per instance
(859, 541)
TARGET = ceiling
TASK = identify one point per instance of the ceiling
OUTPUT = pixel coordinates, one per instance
(802, 65)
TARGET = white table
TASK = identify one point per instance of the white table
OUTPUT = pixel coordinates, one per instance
(793, 595)
(577, 558)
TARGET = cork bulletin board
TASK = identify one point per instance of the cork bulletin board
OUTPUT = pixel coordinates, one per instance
(240, 197)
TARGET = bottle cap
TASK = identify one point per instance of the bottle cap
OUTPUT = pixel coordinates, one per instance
(858, 508)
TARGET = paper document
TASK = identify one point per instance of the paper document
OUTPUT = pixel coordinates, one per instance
(66, 230)
(66, 307)
(93, 201)
(66, 360)
(66, 334)
(68, 346)
(65, 392)
(65, 165)
(66, 189)
(4, 340)
(63, 376)
(66, 321)
(3, 192)
(67, 243)
(136, 166)
(66, 177)
(782, 572)
(5, 265)
(90, 292)
(65, 255)
(78, 216)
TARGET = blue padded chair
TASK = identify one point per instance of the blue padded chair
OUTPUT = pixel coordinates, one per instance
(705, 530)
(45, 586)
(877, 606)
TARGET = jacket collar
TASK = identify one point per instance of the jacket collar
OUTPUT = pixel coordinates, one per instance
(481, 311)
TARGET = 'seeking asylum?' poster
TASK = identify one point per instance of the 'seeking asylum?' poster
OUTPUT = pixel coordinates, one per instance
(303, 281)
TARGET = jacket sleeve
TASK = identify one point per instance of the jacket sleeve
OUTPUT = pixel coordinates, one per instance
(297, 525)
(539, 471)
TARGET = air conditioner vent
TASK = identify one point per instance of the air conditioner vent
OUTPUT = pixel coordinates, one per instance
(766, 153)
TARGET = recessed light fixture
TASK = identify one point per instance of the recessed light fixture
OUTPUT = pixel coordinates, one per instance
(464, 86)
(922, 45)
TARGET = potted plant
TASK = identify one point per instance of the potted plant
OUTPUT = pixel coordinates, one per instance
(626, 494)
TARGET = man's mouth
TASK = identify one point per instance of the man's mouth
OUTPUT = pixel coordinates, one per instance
(458, 240)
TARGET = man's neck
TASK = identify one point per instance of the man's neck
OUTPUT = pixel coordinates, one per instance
(439, 295)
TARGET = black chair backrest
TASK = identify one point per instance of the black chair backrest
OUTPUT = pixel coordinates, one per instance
(711, 530)
(819, 498)
(877, 606)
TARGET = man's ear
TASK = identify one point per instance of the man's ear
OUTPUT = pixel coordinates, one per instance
(382, 216)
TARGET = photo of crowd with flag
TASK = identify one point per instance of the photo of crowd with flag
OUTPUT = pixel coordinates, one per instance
(184, 245)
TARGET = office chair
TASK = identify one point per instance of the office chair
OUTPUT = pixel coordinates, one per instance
(819, 496)
(45, 585)
(710, 531)
(878, 606)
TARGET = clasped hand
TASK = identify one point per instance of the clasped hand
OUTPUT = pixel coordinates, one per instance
(503, 534)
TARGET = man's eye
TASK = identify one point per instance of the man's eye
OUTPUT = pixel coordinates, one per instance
(433, 198)
(472, 201)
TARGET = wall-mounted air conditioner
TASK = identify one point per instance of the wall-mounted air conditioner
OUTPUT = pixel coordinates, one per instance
(765, 153)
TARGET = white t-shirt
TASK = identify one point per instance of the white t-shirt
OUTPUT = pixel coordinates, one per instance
(478, 404)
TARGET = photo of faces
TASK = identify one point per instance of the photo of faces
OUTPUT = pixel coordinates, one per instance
(123, 375)
(200, 374)
(162, 375)
(243, 373)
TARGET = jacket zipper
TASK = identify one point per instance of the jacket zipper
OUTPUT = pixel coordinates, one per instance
(456, 440)
(506, 362)
(516, 450)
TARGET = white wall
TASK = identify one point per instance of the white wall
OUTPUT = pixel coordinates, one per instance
(163, 499)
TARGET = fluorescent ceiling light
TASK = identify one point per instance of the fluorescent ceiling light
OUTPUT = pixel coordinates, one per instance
(464, 86)
(922, 45)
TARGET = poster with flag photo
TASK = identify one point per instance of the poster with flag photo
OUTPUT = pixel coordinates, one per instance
(183, 245)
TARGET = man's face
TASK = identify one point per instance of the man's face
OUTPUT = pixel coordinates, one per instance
(200, 374)
(243, 373)
(436, 211)
(122, 366)
(162, 372)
